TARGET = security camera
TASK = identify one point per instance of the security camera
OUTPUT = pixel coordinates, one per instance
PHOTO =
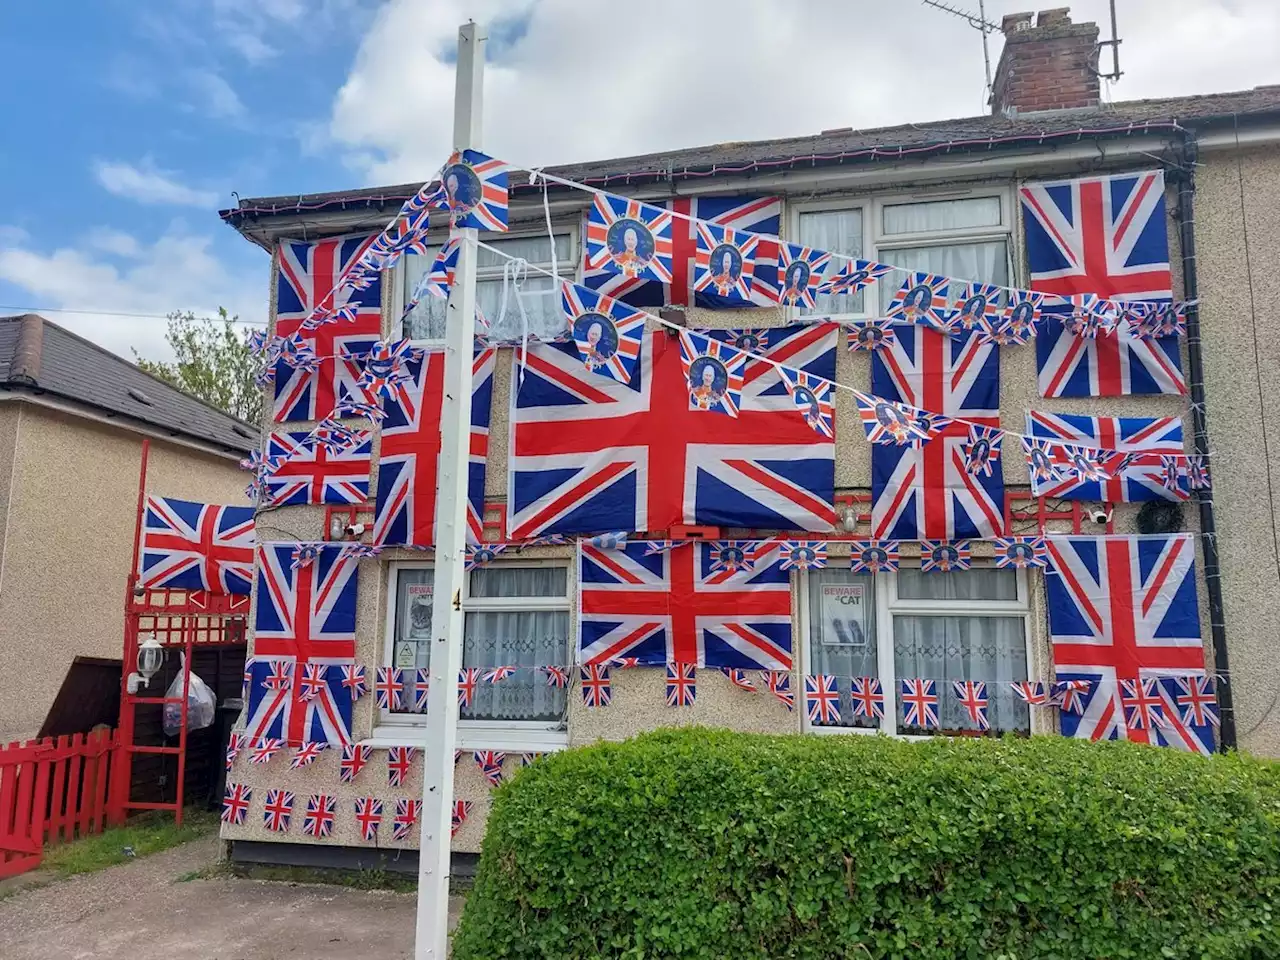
(1098, 515)
(353, 529)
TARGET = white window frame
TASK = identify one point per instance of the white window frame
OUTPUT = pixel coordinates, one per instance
(877, 245)
(513, 735)
(571, 230)
(888, 603)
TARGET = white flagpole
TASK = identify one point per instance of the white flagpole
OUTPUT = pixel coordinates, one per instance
(431, 940)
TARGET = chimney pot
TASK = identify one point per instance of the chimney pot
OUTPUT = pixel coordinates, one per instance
(1015, 22)
(1053, 17)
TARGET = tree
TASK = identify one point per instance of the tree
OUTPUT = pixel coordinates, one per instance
(213, 362)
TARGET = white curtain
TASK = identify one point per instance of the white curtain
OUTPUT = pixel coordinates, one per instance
(939, 215)
(986, 262)
(836, 231)
(842, 634)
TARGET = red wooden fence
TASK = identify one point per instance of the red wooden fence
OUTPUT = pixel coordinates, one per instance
(53, 789)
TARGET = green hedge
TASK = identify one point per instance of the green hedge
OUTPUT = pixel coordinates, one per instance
(703, 843)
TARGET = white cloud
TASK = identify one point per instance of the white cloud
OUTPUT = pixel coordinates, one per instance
(217, 97)
(178, 271)
(146, 184)
(564, 87)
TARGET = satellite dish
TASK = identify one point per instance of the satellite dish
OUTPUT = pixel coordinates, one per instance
(1160, 516)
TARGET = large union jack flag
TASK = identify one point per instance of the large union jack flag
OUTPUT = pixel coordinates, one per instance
(1125, 609)
(760, 215)
(674, 606)
(591, 455)
(304, 617)
(196, 546)
(312, 474)
(924, 490)
(1146, 477)
(309, 273)
(410, 452)
(1107, 236)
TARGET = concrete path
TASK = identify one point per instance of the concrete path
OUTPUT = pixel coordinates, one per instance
(140, 911)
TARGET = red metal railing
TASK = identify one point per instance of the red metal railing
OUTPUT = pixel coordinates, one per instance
(52, 790)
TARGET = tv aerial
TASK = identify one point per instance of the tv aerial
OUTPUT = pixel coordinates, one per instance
(980, 23)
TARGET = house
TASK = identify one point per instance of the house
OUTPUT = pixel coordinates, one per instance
(73, 418)
(940, 198)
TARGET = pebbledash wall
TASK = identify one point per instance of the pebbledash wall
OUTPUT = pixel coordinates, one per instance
(1245, 523)
(68, 497)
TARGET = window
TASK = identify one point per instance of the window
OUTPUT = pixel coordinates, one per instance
(967, 625)
(964, 237)
(541, 299)
(514, 615)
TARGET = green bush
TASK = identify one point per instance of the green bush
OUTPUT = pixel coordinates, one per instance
(703, 843)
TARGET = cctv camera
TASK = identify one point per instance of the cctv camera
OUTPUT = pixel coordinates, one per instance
(1098, 515)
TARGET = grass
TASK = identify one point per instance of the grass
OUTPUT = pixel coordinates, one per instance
(143, 835)
(363, 879)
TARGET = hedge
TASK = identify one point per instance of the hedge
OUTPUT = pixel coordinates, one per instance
(706, 843)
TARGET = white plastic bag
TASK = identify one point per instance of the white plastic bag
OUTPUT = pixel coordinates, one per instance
(201, 705)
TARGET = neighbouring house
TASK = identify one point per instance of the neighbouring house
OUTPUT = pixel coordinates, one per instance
(73, 417)
(1051, 175)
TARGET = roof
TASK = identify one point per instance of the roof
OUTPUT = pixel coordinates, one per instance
(40, 357)
(833, 147)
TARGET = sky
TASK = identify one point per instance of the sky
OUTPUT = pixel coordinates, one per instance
(132, 122)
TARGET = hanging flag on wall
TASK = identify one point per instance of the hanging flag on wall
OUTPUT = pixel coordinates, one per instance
(304, 617)
(410, 450)
(196, 546)
(761, 215)
(1125, 609)
(676, 607)
(308, 273)
(1106, 236)
(925, 490)
(592, 455)
(1143, 476)
(310, 473)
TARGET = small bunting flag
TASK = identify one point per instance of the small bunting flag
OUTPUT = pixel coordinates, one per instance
(264, 750)
(399, 761)
(778, 683)
(682, 688)
(944, 556)
(235, 803)
(738, 678)
(408, 810)
(822, 700)
(490, 764)
(920, 703)
(278, 810)
(306, 755)
(461, 808)
(318, 821)
(468, 678)
(972, 695)
(713, 373)
(873, 556)
(597, 690)
(387, 687)
(868, 697)
(368, 817)
(354, 758)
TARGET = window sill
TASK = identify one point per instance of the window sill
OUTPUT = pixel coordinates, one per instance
(486, 737)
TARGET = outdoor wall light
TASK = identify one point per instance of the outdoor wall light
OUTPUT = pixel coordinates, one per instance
(150, 658)
(849, 520)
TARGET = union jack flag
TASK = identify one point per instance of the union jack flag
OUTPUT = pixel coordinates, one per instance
(410, 451)
(713, 373)
(490, 764)
(812, 397)
(922, 298)
(607, 333)
(1198, 702)
(1139, 475)
(437, 281)
(475, 187)
(589, 454)
(479, 554)
(304, 616)
(368, 817)
(306, 755)
(597, 690)
(873, 556)
(1033, 693)
(399, 761)
(1142, 704)
(801, 270)
(468, 678)
(1021, 552)
(354, 758)
(977, 307)
(895, 424)
(731, 556)
(869, 334)
(264, 750)
(310, 280)
(318, 821)
(1069, 694)
(498, 674)
(924, 490)
(1105, 236)
(778, 683)
(309, 473)
(738, 678)
(752, 215)
(868, 697)
(674, 607)
(311, 683)
(277, 810)
(920, 703)
(461, 808)
(855, 275)
(1125, 609)
(937, 556)
(804, 555)
(972, 695)
(418, 687)
(235, 743)
(235, 803)
(406, 818)
(353, 678)
(682, 689)
(982, 450)
(386, 687)
(556, 676)
(197, 546)
(628, 238)
(822, 700)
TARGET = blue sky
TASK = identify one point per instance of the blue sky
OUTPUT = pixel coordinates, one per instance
(130, 122)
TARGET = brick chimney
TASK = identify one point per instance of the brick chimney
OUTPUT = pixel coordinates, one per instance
(1049, 65)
